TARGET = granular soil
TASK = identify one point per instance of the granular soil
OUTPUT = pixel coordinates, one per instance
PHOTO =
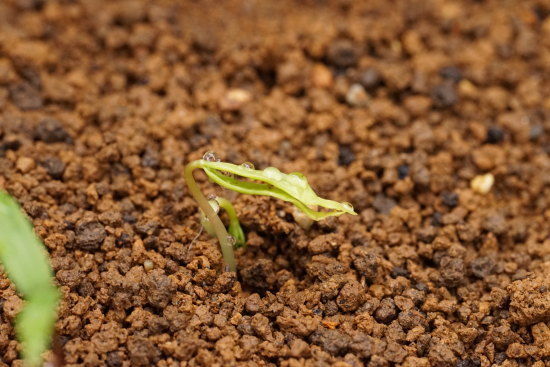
(392, 106)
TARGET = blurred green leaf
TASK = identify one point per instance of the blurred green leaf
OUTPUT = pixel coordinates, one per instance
(26, 263)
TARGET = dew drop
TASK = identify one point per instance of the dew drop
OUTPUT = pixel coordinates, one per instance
(248, 165)
(210, 157)
(215, 205)
(297, 179)
(347, 206)
(231, 240)
(212, 196)
(273, 173)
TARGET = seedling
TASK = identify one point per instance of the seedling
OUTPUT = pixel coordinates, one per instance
(26, 263)
(292, 187)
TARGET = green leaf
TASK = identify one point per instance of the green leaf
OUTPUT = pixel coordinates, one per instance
(237, 232)
(26, 263)
(292, 187)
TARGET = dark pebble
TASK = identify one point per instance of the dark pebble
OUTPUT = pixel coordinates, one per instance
(10, 144)
(451, 73)
(386, 312)
(444, 94)
(115, 359)
(367, 263)
(86, 288)
(495, 135)
(383, 204)
(212, 127)
(452, 271)
(30, 4)
(450, 199)
(342, 53)
(150, 158)
(54, 166)
(421, 286)
(399, 271)
(437, 218)
(370, 78)
(147, 228)
(403, 171)
(129, 218)
(25, 96)
(334, 342)
(500, 357)
(50, 130)
(160, 289)
(123, 240)
(142, 351)
(90, 236)
(345, 155)
(482, 266)
(468, 362)
(535, 132)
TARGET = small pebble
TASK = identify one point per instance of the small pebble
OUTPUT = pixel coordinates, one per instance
(148, 265)
(451, 73)
(467, 89)
(357, 96)
(383, 204)
(437, 219)
(402, 171)
(321, 76)
(345, 155)
(25, 164)
(370, 78)
(450, 199)
(234, 99)
(444, 95)
(482, 184)
(535, 132)
(495, 135)
(51, 130)
(26, 96)
(342, 53)
(302, 219)
(54, 166)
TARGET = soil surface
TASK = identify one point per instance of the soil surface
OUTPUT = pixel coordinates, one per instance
(393, 106)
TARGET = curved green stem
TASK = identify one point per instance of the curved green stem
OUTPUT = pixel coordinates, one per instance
(217, 225)
(235, 228)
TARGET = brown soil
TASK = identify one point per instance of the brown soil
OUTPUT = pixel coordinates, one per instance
(392, 106)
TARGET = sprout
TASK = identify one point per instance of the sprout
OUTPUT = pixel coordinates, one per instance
(292, 187)
(26, 264)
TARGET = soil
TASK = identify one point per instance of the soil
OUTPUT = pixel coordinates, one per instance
(392, 106)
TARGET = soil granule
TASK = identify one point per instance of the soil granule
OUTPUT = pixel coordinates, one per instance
(392, 106)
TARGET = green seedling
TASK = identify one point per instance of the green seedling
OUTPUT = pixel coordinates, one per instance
(292, 187)
(234, 228)
(25, 261)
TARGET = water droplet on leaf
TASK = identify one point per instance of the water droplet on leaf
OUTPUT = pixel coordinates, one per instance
(248, 165)
(347, 206)
(231, 240)
(215, 205)
(273, 173)
(297, 179)
(210, 157)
